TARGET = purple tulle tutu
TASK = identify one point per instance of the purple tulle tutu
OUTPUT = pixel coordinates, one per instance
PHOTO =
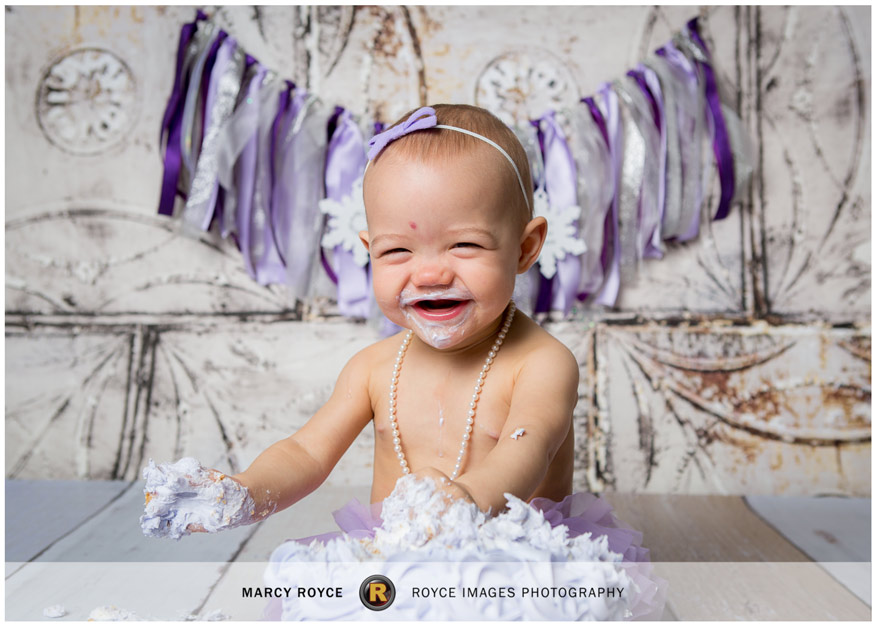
(579, 512)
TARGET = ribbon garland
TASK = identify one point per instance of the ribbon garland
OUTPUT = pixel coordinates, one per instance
(258, 157)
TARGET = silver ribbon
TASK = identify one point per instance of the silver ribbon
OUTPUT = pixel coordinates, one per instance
(642, 117)
(595, 185)
(237, 132)
(190, 129)
(201, 202)
(268, 265)
(300, 168)
(671, 217)
(631, 177)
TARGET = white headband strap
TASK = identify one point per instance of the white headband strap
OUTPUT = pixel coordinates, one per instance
(516, 170)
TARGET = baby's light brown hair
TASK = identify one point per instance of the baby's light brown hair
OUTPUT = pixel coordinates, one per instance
(437, 143)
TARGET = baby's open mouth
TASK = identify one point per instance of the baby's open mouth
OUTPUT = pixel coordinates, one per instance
(439, 309)
(438, 304)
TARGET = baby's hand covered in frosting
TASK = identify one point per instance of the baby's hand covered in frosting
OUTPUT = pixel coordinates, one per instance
(185, 497)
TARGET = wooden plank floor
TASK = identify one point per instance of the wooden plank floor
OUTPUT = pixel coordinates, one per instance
(722, 560)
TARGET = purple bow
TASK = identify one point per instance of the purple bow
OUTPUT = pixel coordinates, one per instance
(419, 120)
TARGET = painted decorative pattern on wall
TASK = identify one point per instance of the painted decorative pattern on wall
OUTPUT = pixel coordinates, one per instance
(738, 363)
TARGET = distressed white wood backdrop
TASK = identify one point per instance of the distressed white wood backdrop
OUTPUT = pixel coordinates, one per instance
(741, 363)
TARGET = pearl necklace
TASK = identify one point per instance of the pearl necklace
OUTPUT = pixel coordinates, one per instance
(472, 407)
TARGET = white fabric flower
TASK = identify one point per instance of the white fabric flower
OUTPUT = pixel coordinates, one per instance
(346, 218)
(561, 233)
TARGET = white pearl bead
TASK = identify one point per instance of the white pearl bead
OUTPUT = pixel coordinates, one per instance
(478, 387)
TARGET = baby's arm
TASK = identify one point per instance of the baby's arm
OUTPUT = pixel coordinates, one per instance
(543, 400)
(186, 497)
(294, 467)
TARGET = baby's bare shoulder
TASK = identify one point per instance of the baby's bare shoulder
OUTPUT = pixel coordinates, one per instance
(372, 360)
(538, 347)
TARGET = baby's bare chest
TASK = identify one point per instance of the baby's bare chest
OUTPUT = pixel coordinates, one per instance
(433, 408)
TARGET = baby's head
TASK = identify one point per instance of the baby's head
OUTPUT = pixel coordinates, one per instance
(448, 197)
(506, 165)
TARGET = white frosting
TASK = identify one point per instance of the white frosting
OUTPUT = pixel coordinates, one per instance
(426, 539)
(111, 613)
(434, 332)
(215, 615)
(185, 493)
(54, 611)
(517, 433)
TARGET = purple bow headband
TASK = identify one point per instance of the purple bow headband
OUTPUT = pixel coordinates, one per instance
(425, 118)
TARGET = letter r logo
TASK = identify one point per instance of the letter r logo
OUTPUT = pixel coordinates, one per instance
(377, 592)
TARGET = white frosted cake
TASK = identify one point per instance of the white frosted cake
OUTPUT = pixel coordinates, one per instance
(450, 561)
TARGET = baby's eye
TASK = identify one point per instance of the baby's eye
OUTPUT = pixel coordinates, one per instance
(467, 244)
(394, 250)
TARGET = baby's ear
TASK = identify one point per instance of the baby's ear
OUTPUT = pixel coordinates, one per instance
(365, 239)
(531, 242)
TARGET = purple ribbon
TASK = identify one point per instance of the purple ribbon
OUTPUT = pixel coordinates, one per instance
(420, 119)
(345, 164)
(171, 125)
(722, 147)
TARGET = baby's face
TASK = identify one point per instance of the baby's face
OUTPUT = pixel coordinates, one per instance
(444, 244)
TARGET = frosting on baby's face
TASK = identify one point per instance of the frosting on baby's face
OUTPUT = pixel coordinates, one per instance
(444, 250)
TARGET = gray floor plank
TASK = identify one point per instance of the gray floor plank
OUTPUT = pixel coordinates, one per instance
(836, 532)
(114, 535)
(29, 501)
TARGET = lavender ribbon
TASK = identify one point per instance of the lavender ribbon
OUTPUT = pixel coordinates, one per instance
(420, 119)
(344, 166)
(289, 107)
(171, 127)
(266, 262)
(610, 124)
(560, 181)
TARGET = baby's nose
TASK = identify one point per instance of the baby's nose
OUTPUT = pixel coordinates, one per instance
(432, 272)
